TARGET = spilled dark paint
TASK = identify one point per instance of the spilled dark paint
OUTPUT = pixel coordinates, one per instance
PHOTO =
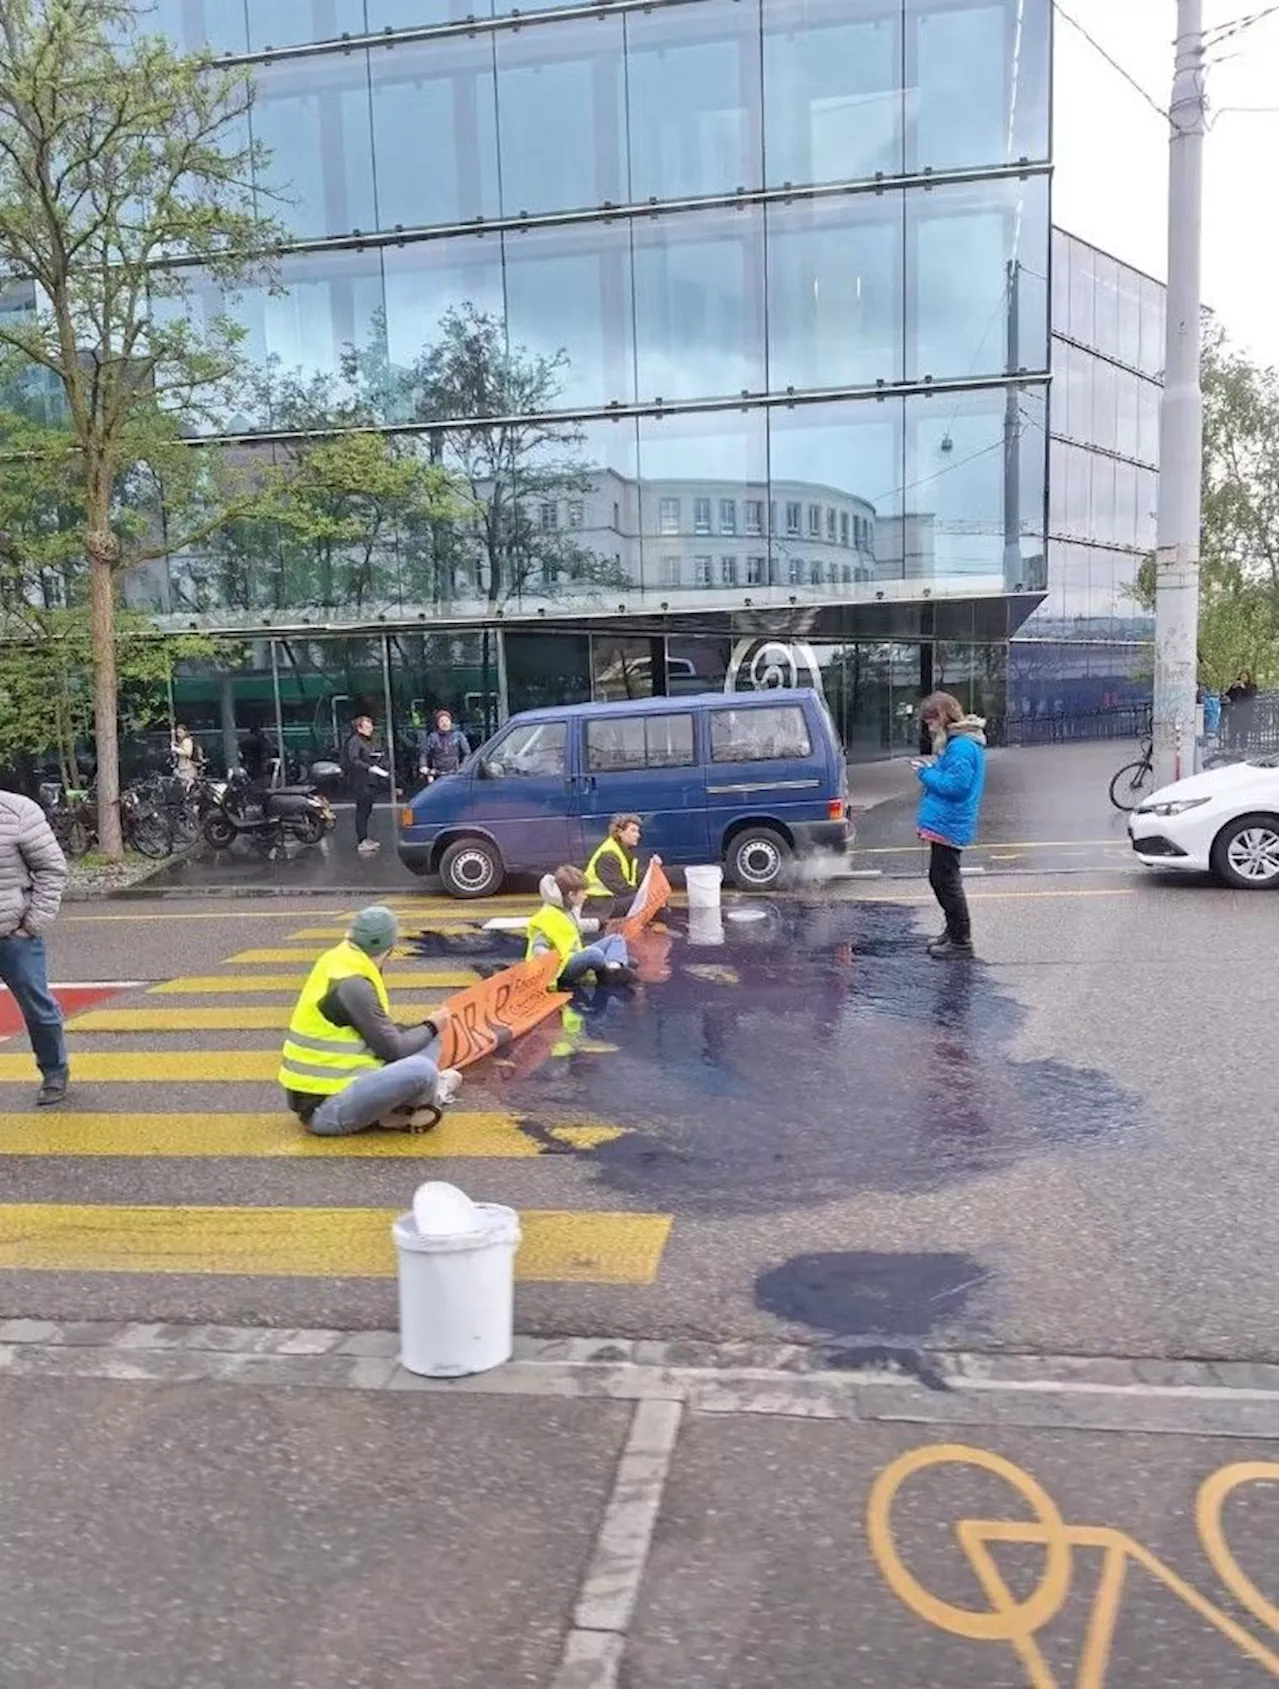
(843, 1060)
(897, 1298)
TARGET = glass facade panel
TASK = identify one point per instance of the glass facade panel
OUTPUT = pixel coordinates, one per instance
(693, 95)
(417, 14)
(562, 117)
(977, 303)
(313, 115)
(569, 300)
(285, 23)
(196, 24)
(850, 457)
(699, 289)
(832, 91)
(977, 78)
(704, 461)
(435, 132)
(428, 279)
(835, 292)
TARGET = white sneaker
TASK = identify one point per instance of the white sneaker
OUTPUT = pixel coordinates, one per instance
(367, 847)
(410, 1119)
(448, 1084)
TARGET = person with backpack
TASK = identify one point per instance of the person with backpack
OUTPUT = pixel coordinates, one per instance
(947, 818)
(444, 749)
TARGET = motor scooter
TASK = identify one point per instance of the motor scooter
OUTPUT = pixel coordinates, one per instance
(266, 816)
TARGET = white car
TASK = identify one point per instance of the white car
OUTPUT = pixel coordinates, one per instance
(1222, 822)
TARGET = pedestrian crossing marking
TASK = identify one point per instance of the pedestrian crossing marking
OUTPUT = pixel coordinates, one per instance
(459, 1134)
(165, 1067)
(584, 1247)
(447, 923)
(200, 985)
(304, 955)
(244, 1017)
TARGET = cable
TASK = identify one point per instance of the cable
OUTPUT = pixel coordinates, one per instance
(1224, 31)
(1098, 48)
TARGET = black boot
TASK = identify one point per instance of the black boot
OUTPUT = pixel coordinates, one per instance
(944, 948)
(53, 1090)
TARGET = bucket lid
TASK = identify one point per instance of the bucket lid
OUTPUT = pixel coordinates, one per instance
(493, 1223)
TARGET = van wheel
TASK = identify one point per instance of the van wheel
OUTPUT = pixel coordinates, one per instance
(755, 859)
(471, 868)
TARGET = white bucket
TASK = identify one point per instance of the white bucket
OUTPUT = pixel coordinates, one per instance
(706, 926)
(457, 1290)
(703, 886)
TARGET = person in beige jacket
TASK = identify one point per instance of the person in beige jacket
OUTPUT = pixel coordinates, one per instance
(33, 875)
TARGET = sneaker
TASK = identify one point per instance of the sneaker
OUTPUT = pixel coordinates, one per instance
(448, 1084)
(420, 1119)
(944, 949)
(368, 847)
(53, 1090)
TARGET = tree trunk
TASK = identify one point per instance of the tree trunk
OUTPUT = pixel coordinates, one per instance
(102, 621)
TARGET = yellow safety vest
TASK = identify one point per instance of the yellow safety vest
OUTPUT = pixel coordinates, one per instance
(630, 868)
(319, 1057)
(559, 928)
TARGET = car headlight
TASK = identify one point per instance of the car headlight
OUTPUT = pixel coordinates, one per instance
(1177, 806)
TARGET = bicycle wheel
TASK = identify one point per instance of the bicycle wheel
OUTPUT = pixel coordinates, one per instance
(185, 823)
(149, 835)
(1131, 784)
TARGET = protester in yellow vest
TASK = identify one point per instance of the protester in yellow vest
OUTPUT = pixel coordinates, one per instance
(615, 870)
(346, 1064)
(560, 925)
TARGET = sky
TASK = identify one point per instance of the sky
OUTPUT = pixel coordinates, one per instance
(1111, 150)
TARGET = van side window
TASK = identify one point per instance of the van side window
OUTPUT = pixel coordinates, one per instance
(534, 749)
(762, 735)
(616, 742)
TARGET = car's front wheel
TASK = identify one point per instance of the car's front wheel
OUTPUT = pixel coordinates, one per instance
(471, 868)
(1246, 853)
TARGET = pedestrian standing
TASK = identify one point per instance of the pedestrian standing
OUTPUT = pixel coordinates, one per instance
(33, 875)
(947, 819)
(444, 749)
(1241, 702)
(358, 759)
(184, 755)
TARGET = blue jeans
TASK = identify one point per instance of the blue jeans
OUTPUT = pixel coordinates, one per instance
(607, 952)
(400, 1084)
(24, 969)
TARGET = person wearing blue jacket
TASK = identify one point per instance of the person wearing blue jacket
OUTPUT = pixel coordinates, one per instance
(947, 818)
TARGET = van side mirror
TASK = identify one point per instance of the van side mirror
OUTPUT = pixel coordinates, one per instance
(492, 770)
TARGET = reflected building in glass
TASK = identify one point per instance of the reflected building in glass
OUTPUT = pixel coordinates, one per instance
(730, 318)
(1085, 657)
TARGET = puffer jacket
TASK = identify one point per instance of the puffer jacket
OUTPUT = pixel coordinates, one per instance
(33, 870)
(953, 784)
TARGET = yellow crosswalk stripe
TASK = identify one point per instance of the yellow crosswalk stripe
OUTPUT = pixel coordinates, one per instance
(165, 1067)
(459, 1134)
(583, 1247)
(199, 985)
(447, 923)
(305, 955)
(245, 1017)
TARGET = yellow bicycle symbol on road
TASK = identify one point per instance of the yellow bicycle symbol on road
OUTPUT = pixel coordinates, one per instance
(1017, 1621)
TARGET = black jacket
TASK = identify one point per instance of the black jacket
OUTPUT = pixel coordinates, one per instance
(444, 753)
(357, 759)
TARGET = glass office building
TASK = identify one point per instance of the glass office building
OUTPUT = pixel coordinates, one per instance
(1086, 653)
(730, 317)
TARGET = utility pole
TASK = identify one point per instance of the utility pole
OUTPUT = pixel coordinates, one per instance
(1178, 509)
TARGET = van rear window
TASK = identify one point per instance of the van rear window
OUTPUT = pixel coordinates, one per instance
(619, 742)
(760, 735)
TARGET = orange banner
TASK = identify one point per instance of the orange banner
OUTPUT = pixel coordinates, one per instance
(653, 895)
(489, 1015)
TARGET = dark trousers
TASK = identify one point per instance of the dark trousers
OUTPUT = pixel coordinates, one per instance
(948, 888)
(24, 969)
(364, 809)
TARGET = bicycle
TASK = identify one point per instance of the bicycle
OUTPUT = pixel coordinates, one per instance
(1130, 784)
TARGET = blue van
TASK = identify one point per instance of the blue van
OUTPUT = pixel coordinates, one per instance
(745, 778)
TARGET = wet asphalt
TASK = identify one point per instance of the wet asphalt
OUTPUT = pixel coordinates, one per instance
(1066, 1146)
